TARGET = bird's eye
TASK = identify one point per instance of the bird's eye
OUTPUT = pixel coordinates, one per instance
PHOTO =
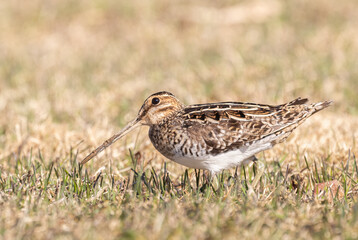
(155, 100)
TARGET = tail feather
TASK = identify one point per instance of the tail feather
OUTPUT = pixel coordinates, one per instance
(307, 110)
(297, 101)
(321, 105)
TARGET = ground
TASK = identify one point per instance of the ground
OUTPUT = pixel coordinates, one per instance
(72, 73)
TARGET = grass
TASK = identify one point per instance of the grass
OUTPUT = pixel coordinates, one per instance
(74, 72)
(65, 201)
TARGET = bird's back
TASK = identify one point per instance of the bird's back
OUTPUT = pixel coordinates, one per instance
(229, 125)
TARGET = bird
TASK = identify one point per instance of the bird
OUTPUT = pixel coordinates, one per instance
(215, 136)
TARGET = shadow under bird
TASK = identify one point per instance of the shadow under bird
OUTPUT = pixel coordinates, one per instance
(215, 136)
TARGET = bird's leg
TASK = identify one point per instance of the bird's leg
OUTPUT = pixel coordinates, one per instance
(260, 168)
(208, 177)
(207, 180)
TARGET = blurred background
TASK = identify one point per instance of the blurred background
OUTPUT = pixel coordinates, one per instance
(73, 72)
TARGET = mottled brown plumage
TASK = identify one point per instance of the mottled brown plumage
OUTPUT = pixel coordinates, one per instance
(215, 136)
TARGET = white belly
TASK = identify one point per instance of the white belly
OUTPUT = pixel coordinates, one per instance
(225, 160)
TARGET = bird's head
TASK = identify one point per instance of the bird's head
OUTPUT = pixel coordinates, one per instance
(156, 108)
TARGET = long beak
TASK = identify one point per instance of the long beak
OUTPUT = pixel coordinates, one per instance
(130, 126)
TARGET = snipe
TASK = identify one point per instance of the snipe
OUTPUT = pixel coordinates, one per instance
(215, 136)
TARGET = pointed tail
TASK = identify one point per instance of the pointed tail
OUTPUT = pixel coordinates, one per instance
(316, 107)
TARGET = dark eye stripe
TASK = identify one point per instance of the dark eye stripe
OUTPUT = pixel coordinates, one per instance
(166, 109)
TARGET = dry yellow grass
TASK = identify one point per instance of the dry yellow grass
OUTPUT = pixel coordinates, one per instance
(72, 73)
